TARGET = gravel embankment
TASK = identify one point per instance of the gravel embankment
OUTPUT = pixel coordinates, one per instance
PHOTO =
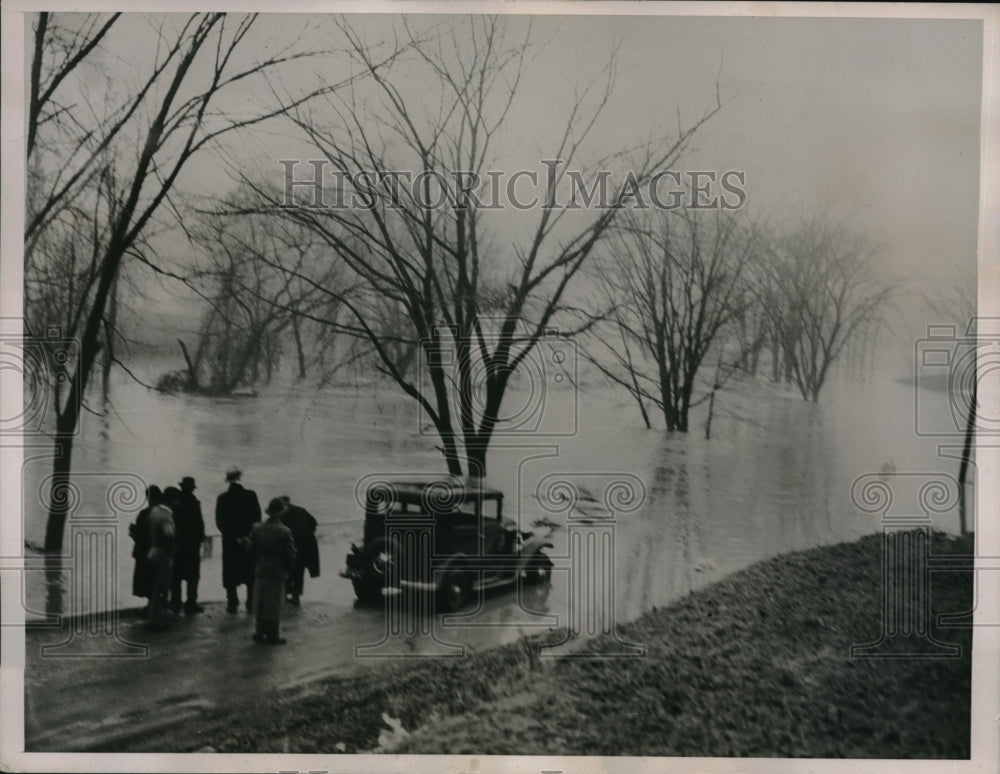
(754, 665)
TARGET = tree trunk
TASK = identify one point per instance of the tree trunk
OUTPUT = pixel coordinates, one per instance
(666, 399)
(963, 468)
(270, 361)
(642, 407)
(685, 401)
(478, 443)
(776, 352)
(443, 423)
(60, 496)
(637, 394)
(789, 365)
(106, 364)
(298, 347)
(68, 416)
(476, 456)
(711, 410)
(110, 325)
(249, 359)
(192, 380)
(450, 452)
(254, 363)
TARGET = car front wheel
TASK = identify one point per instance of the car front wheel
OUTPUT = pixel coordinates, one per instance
(454, 592)
(368, 592)
(538, 569)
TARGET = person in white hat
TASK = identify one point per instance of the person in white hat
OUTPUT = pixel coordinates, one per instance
(273, 550)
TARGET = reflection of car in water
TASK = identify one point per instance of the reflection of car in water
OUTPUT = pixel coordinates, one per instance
(444, 537)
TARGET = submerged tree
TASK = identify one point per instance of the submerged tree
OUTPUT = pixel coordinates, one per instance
(256, 302)
(474, 310)
(957, 303)
(676, 284)
(825, 289)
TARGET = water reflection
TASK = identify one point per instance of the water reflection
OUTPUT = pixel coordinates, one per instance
(776, 475)
(55, 584)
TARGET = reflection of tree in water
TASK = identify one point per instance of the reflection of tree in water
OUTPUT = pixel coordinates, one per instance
(240, 432)
(688, 477)
(714, 508)
(804, 483)
(54, 584)
(665, 542)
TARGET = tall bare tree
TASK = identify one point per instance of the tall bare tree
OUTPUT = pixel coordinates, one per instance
(483, 300)
(958, 303)
(256, 300)
(676, 283)
(825, 282)
(102, 163)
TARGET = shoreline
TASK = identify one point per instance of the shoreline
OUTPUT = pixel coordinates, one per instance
(699, 691)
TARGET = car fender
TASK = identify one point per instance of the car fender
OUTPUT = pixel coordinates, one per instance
(534, 545)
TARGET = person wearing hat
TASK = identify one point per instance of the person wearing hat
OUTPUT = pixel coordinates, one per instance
(273, 550)
(190, 527)
(237, 510)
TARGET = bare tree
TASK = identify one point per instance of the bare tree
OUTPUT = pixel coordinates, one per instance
(958, 303)
(676, 283)
(255, 300)
(823, 280)
(486, 306)
(101, 169)
(752, 330)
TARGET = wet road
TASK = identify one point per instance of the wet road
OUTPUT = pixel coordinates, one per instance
(115, 688)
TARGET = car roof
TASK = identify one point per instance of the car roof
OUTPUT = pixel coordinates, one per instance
(437, 491)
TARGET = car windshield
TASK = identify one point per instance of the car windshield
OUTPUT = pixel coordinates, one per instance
(441, 502)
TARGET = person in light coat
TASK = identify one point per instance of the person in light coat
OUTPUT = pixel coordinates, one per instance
(161, 557)
(272, 548)
(142, 577)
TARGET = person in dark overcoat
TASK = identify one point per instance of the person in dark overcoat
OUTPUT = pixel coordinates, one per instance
(190, 526)
(303, 527)
(273, 550)
(142, 581)
(236, 512)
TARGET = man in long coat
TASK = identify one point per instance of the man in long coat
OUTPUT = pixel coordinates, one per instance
(303, 527)
(190, 527)
(236, 512)
(273, 550)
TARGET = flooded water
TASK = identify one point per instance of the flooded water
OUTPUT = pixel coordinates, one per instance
(778, 474)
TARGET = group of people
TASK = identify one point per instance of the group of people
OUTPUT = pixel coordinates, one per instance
(270, 557)
(167, 537)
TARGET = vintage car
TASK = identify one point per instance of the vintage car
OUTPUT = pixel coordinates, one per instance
(447, 538)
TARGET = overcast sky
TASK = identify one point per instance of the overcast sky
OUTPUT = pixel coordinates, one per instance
(875, 120)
